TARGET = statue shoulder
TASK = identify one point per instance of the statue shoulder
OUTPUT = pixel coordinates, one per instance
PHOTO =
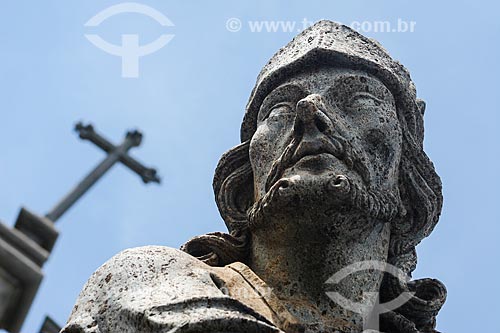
(129, 276)
(155, 288)
(145, 262)
(141, 267)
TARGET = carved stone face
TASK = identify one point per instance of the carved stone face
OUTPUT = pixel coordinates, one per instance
(324, 136)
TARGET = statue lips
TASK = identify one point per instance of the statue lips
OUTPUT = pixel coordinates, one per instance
(298, 150)
(350, 154)
(316, 148)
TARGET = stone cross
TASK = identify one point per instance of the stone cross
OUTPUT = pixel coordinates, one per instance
(115, 154)
(26, 247)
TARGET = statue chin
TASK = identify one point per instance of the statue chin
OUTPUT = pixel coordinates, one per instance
(315, 182)
(305, 192)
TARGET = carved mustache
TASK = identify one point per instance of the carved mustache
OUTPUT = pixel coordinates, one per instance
(327, 143)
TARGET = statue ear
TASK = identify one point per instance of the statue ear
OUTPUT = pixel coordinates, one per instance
(421, 106)
(233, 186)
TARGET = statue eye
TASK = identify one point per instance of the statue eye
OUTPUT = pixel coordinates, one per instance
(280, 110)
(362, 100)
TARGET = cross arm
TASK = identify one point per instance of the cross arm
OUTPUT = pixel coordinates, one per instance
(87, 132)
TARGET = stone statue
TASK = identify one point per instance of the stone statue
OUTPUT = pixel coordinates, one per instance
(330, 172)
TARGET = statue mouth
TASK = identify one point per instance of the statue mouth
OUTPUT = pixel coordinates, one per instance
(313, 163)
(307, 153)
(310, 149)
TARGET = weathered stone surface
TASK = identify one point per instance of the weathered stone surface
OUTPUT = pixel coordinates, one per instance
(153, 289)
(330, 173)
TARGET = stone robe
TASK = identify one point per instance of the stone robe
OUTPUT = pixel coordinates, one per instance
(160, 289)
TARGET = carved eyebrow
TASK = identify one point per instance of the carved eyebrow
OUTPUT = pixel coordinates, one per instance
(364, 94)
(356, 83)
(289, 92)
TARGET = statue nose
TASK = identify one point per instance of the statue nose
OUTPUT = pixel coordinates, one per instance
(310, 118)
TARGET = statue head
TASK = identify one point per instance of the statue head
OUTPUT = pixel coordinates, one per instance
(335, 119)
(332, 126)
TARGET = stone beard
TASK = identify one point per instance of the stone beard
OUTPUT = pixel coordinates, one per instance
(330, 172)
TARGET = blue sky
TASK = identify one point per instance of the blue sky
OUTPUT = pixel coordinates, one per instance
(189, 101)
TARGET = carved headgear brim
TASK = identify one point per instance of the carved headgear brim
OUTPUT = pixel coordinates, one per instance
(328, 43)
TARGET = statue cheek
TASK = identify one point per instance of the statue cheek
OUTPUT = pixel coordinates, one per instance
(266, 146)
(383, 148)
(267, 140)
(261, 152)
